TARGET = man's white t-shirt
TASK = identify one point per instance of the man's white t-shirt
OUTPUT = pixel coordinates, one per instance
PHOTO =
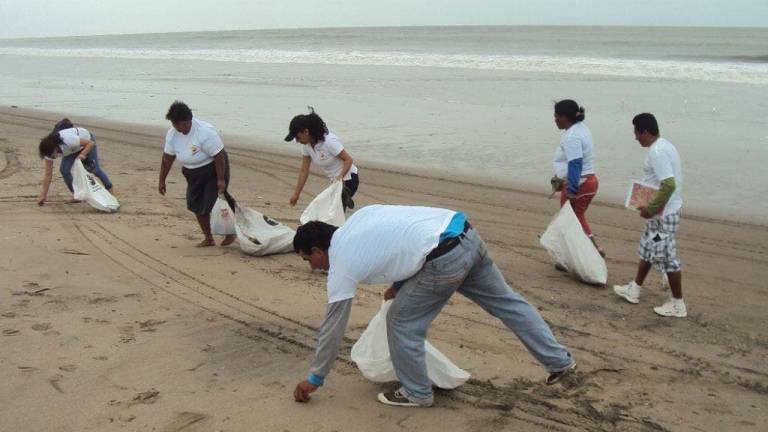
(326, 155)
(70, 141)
(382, 244)
(576, 142)
(661, 163)
(195, 149)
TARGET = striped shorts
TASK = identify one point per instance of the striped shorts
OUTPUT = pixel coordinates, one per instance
(658, 245)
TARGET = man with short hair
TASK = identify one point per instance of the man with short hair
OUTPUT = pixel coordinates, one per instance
(658, 246)
(427, 254)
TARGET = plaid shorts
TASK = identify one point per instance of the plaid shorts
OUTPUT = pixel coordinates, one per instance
(658, 245)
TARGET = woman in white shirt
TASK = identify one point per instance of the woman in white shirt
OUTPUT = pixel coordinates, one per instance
(324, 149)
(197, 145)
(574, 163)
(71, 143)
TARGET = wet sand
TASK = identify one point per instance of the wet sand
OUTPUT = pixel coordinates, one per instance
(116, 322)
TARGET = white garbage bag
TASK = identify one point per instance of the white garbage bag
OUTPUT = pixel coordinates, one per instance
(567, 244)
(88, 188)
(260, 235)
(371, 354)
(222, 218)
(326, 207)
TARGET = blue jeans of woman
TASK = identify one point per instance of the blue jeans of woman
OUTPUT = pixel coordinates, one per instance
(93, 159)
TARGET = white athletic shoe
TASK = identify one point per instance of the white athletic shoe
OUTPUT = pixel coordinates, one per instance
(630, 292)
(672, 308)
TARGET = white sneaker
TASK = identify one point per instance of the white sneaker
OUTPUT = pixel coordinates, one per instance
(630, 292)
(672, 308)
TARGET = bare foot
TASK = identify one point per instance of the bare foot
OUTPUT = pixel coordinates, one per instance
(112, 191)
(205, 243)
(228, 240)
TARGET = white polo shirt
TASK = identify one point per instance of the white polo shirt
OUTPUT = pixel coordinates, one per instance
(195, 149)
(326, 155)
(661, 163)
(382, 244)
(576, 142)
(70, 141)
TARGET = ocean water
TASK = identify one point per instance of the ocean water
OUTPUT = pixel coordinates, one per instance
(473, 102)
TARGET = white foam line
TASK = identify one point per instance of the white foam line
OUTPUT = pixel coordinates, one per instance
(748, 73)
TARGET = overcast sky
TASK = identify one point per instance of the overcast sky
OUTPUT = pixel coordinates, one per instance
(41, 18)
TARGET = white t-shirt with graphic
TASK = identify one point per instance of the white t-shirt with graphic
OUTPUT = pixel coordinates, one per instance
(70, 141)
(576, 142)
(326, 155)
(661, 163)
(195, 149)
(382, 244)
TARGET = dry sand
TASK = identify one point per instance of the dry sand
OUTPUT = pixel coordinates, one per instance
(116, 322)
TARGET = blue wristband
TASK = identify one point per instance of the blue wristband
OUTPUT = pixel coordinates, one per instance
(316, 380)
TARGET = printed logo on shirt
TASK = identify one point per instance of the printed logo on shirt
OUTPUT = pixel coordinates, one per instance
(321, 155)
(195, 149)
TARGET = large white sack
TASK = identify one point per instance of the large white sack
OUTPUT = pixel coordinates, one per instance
(88, 188)
(222, 218)
(567, 244)
(326, 207)
(371, 354)
(260, 235)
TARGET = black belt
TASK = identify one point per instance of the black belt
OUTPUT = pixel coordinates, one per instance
(448, 244)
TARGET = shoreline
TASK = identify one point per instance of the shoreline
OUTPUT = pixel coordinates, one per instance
(245, 143)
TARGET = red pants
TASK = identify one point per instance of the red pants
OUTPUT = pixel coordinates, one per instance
(587, 191)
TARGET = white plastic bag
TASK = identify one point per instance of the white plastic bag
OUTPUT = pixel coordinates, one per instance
(371, 354)
(260, 235)
(88, 188)
(567, 244)
(222, 218)
(326, 207)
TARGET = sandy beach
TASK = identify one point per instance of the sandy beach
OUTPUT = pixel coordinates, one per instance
(113, 322)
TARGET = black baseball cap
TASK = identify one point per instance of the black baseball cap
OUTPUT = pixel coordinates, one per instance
(298, 124)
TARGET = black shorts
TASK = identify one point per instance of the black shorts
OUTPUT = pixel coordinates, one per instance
(202, 189)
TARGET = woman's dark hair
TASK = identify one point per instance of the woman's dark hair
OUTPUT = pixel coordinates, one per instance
(316, 126)
(313, 234)
(570, 109)
(178, 112)
(49, 144)
(646, 122)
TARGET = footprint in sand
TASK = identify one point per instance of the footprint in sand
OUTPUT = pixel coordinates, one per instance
(149, 325)
(68, 368)
(10, 332)
(147, 398)
(41, 326)
(55, 383)
(127, 339)
(100, 300)
(183, 420)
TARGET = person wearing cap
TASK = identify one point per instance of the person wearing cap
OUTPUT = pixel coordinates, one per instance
(70, 143)
(324, 149)
(205, 165)
(427, 254)
(574, 163)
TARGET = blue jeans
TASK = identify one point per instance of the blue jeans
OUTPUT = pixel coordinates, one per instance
(469, 270)
(93, 156)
